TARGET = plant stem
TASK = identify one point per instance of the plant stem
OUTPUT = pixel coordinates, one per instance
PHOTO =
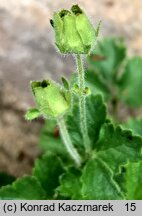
(81, 84)
(67, 142)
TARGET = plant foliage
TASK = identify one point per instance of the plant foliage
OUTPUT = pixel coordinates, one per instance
(112, 170)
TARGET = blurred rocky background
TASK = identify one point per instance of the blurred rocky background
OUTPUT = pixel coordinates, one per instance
(27, 52)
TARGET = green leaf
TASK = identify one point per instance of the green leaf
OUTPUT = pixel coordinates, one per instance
(108, 56)
(96, 84)
(65, 83)
(70, 184)
(50, 140)
(25, 188)
(32, 113)
(120, 178)
(135, 125)
(98, 183)
(5, 179)
(131, 83)
(117, 146)
(96, 115)
(47, 170)
(73, 127)
(134, 181)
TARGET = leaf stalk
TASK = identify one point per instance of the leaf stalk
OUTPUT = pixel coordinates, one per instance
(67, 142)
(82, 105)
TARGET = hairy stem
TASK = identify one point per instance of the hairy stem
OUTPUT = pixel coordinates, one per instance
(67, 142)
(81, 84)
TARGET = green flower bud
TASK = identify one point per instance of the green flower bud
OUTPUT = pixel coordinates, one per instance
(74, 33)
(87, 91)
(52, 100)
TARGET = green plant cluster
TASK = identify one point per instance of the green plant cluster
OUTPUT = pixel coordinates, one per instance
(86, 155)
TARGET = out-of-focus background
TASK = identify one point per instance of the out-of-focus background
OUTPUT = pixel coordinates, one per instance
(27, 52)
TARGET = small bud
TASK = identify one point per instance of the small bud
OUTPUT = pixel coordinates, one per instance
(52, 100)
(75, 89)
(74, 33)
(87, 91)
